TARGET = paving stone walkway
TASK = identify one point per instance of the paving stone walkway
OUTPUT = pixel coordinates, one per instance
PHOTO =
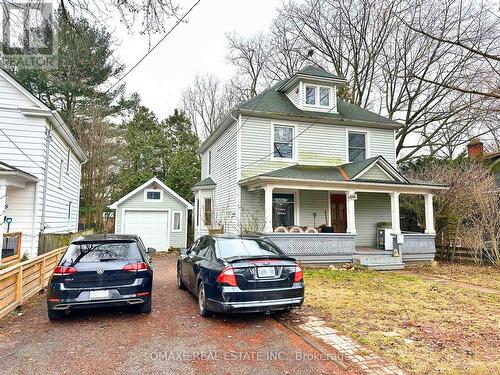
(368, 361)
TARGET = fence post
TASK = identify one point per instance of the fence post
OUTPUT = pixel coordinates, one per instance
(19, 285)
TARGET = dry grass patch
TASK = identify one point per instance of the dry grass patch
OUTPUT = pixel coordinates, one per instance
(425, 327)
(487, 277)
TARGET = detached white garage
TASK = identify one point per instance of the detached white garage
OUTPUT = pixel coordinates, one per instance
(154, 212)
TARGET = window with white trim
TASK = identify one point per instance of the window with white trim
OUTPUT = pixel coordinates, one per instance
(357, 146)
(61, 171)
(197, 217)
(69, 210)
(177, 221)
(209, 162)
(208, 212)
(68, 157)
(318, 96)
(153, 195)
(283, 141)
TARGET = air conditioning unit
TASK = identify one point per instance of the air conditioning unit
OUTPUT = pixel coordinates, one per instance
(384, 239)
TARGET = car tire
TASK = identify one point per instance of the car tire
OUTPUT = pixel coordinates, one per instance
(55, 315)
(202, 301)
(180, 283)
(145, 308)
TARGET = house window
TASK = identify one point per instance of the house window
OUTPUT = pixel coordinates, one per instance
(153, 195)
(283, 142)
(69, 210)
(283, 210)
(324, 96)
(311, 95)
(209, 162)
(208, 212)
(357, 146)
(67, 160)
(177, 221)
(61, 169)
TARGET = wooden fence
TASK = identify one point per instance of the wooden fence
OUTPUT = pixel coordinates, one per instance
(23, 280)
(50, 241)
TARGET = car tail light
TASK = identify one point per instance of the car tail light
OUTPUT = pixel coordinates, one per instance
(143, 294)
(54, 299)
(63, 271)
(227, 277)
(299, 275)
(135, 267)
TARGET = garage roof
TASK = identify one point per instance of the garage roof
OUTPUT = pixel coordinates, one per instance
(146, 184)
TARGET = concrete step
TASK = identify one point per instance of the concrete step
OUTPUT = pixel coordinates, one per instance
(379, 262)
(386, 267)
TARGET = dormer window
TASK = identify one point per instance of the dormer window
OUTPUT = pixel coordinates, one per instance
(318, 96)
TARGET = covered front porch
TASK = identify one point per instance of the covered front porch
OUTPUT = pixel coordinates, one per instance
(329, 220)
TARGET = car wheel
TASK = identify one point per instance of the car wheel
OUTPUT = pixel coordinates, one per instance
(202, 301)
(55, 314)
(180, 283)
(145, 308)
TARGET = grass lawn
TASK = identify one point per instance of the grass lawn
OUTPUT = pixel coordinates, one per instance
(424, 326)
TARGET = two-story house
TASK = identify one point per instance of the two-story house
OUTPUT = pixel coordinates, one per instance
(40, 170)
(315, 174)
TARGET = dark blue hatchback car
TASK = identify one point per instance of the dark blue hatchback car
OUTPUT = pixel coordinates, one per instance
(240, 274)
(100, 271)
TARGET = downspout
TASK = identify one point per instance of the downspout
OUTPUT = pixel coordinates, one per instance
(45, 177)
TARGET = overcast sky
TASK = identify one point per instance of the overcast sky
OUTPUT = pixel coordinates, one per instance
(196, 47)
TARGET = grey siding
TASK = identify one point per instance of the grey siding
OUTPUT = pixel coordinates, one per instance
(320, 144)
(224, 172)
(171, 203)
(311, 202)
(252, 210)
(294, 95)
(375, 173)
(370, 209)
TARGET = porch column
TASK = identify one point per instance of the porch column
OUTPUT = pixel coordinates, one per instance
(429, 214)
(3, 200)
(268, 208)
(351, 216)
(396, 227)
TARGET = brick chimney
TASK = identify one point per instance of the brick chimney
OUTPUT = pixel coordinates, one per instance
(475, 148)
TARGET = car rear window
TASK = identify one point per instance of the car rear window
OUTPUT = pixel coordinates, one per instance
(236, 247)
(89, 252)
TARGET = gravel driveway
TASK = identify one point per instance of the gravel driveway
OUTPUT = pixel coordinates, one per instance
(173, 339)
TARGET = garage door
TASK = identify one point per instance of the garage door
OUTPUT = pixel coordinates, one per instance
(151, 226)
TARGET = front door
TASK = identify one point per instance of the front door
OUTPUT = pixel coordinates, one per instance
(339, 213)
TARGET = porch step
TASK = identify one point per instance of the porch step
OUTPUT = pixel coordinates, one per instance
(379, 261)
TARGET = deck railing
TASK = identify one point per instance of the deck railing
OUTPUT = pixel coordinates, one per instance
(23, 280)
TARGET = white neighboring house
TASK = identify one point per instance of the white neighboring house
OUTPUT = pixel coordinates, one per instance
(154, 212)
(40, 168)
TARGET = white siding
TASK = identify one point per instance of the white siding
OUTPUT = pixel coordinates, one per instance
(294, 95)
(12, 97)
(171, 203)
(370, 209)
(29, 133)
(375, 173)
(59, 196)
(320, 144)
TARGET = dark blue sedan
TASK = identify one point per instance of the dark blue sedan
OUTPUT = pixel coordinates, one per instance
(240, 274)
(101, 271)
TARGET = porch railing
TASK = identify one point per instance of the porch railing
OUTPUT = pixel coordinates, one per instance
(417, 247)
(316, 247)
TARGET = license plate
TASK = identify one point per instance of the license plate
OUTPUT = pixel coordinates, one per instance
(99, 294)
(266, 272)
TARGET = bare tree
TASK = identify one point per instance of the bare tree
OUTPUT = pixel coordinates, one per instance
(250, 56)
(207, 101)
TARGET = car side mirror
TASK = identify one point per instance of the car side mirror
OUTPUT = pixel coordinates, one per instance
(150, 250)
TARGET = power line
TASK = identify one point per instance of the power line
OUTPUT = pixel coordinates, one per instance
(154, 47)
(16, 146)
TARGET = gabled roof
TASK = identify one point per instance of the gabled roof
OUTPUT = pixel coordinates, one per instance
(205, 183)
(41, 109)
(145, 185)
